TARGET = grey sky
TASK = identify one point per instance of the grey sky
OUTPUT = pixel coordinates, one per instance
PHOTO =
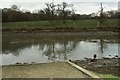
(81, 6)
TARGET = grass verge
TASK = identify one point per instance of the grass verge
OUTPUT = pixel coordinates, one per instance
(58, 24)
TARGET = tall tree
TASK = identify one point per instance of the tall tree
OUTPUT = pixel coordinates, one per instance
(50, 11)
(64, 10)
(101, 20)
(15, 8)
(101, 16)
(73, 16)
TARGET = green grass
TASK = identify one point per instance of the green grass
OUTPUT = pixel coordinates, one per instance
(109, 77)
(106, 76)
(69, 23)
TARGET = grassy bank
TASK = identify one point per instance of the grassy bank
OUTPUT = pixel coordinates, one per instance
(70, 24)
(109, 76)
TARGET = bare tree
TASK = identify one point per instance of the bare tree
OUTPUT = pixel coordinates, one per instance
(64, 10)
(15, 7)
(73, 16)
(50, 11)
(101, 16)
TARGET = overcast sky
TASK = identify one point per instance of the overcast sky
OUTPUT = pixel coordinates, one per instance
(81, 6)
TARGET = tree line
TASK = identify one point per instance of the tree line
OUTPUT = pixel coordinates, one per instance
(62, 12)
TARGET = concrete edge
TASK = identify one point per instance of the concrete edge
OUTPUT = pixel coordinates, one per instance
(83, 70)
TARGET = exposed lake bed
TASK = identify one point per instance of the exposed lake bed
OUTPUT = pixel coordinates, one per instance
(102, 66)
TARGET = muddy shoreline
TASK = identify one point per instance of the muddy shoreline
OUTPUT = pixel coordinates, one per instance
(102, 66)
(52, 33)
(63, 29)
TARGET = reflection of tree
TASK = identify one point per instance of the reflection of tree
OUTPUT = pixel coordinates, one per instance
(47, 44)
(65, 49)
(14, 48)
(50, 52)
(53, 52)
(15, 43)
(102, 46)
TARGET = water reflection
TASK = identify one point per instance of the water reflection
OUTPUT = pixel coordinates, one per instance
(50, 49)
(55, 50)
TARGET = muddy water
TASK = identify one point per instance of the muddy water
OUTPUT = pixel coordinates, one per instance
(45, 48)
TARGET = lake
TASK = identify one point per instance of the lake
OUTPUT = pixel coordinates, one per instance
(52, 47)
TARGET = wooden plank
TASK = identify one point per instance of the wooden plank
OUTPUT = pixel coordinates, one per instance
(83, 70)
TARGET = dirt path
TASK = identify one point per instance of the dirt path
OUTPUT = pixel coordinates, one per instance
(48, 70)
